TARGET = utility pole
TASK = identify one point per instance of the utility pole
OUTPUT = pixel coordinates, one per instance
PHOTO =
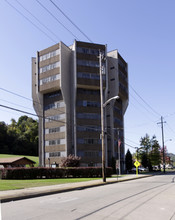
(119, 144)
(102, 120)
(163, 142)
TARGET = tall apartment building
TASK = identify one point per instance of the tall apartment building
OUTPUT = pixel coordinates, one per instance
(66, 98)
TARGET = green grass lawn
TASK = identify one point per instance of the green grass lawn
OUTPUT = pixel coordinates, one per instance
(36, 159)
(22, 184)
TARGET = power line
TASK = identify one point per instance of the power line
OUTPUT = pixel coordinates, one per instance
(67, 30)
(170, 128)
(37, 19)
(57, 19)
(131, 141)
(140, 104)
(30, 21)
(144, 101)
(13, 93)
(29, 113)
(155, 112)
(130, 145)
(15, 104)
(169, 115)
(58, 8)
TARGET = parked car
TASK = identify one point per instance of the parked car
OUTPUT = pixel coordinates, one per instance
(140, 169)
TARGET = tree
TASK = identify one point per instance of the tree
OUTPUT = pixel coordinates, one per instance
(19, 137)
(144, 160)
(150, 152)
(3, 138)
(145, 143)
(70, 161)
(155, 156)
(128, 160)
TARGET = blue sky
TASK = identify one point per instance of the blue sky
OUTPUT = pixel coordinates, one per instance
(142, 31)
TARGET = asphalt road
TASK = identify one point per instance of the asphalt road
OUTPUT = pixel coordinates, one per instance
(150, 198)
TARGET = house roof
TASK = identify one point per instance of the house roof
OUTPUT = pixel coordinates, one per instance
(10, 160)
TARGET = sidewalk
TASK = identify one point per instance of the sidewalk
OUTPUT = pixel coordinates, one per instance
(12, 195)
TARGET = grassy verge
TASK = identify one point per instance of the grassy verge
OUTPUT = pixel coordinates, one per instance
(22, 184)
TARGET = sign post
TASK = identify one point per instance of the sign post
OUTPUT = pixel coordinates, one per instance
(137, 164)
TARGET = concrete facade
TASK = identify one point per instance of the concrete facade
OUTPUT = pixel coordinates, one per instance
(66, 98)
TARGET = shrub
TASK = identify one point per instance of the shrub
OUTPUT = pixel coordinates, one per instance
(42, 172)
(70, 161)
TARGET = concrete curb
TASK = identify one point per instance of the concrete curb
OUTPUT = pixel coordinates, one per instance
(15, 195)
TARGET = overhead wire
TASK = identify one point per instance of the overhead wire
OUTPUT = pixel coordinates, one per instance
(40, 116)
(86, 126)
(15, 104)
(168, 126)
(131, 141)
(58, 8)
(30, 21)
(27, 99)
(75, 37)
(29, 113)
(140, 104)
(144, 101)
(37, 20)
(70, 32)
(57, 19)
(146, 104)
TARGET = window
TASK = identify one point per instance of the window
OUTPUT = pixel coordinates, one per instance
(88, 51)
(119, 111)
(123, 66)
(88, 63)
(85, 75)
(55, 142)
(86, 103)
(118, 121)
(91, 154)
(88, 116)
(55, 130)
(88, 92)
(122, 75)
(49, 67)
(55, 117)
(53, 94)
(55, 105)
(123, 87)
(112, 79)
(88, 128)
(88, 141)
(57, 154)
(49, 79)
(49, 55)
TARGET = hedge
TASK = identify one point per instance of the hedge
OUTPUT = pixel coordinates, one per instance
(52, 173)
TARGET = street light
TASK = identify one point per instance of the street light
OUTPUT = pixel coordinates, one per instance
(103, 136)
(103, 105)
(115, 97)
(168, 140)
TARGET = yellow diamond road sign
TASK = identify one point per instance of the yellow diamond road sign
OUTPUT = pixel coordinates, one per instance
(137, 164)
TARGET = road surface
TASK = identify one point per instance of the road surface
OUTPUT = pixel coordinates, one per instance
(151, 198)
